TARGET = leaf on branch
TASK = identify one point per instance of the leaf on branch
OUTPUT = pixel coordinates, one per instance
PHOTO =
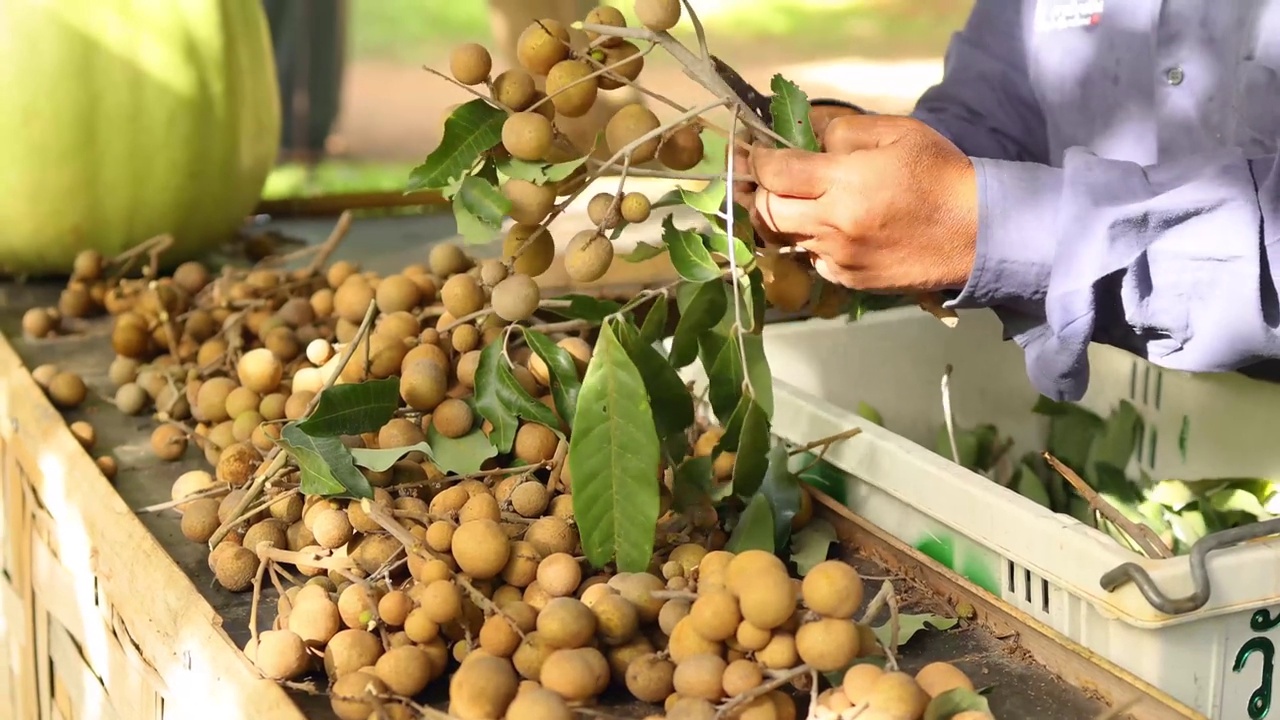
(782, 488)
(909, 625)
(325, 464)
(705, 309)
(811, 544)
(485, 202)
(707, 201)
(689, 255)
(488, 398)
(752, 459)
(472, 129)
(614, 459)
(585, 307)
(724, 378)
(536, 172)
(655, 321)
(353, 408)
(733, 426)
(719, 244)
(954, 702)
(460, 456)
(644, 251)
(691, 486)
(754, 530)
(758, 373)
(563, 370)
(672, 404)
(790, 106)
(382, 459)
(473, 230)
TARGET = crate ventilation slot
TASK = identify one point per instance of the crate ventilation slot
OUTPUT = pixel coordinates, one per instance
(1026, 588)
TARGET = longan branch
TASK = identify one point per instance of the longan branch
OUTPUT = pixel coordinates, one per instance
(826, 441)
(468, 88)
(726, 710)
(215, 491)
(331, 243)
(1145, 537)
(698, 30)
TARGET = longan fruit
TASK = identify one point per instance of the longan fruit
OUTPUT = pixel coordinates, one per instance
(351, 299)
(281, 655)
(559, 574)
(470, 64)
(604, 15)
(482, 506)
(405, 670)
(424, 384)
(673, 611)
(122, 370)
(332, 529)
(481, 548)
(571, 88)
(372, 551)
(543, 44)
(396, 293)
(535, 259)
(131, 399)
(446, 259)
(617, 619)
(235, 568)
(741, 676)
(635, 207)
(535, 443)
(538, 704)
(682, 149)
(188, 483)
(685, 642)
(67, 390)
(515, 89)
(649, 678)
(602, 212)
(530, 204)
(658, 15)
(352, 695)
(787, 285)
(169, 442)
(462, 295)
(493, 271)
(715, 615)
(700, 676)
(827, 644)
(394, 608)
(237, 463)
(575, 674)
(241, 400)
(639, 589)
(626, 64)
(588, 256)
(527, 136)
(566, 622)
(498, 636)
(350, 650)
(130, 339)
(482, 687)
(316, 620)
(551, 534)
(107, 466)
(629, 124)
(858, 681)
(453, 418)
(897, 694)
(832, 589)
(200, 520)
(516, 298)
(38, 323)
(937, 678)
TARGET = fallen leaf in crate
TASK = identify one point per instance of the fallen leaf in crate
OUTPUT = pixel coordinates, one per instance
(811, 545)
(382, 459)
(462, 455)
(909, 625)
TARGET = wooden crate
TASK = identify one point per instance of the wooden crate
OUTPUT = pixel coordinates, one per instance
(96, 619)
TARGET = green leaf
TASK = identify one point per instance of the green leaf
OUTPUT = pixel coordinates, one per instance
(325, 464)
(724, 379)
(668, 395)
(956, 701)
(782, 488)
(538, 173)
(753, 299)
(1238, 500)
(1029, 485)
(473, 230)
(614, 458)
(382, 459)
(1115, 443)
(718, 242)
(1173, 494)
(753, 452)
(353, 408)
(689, 255)
(754, 530)
(563, 370)
(707, 201)
(461, 456)
(823, 476)
(489, 399)
(790, 108)
(585, 307)
(811, 544)
(909, 625)
(644, 251)
(866, 412)
(472, 129)
(1071, 434)
(758, 371)
(706, 307)
(691, 486)
(655, 321)
(1188, 527)
(483, 200)
(733, 426)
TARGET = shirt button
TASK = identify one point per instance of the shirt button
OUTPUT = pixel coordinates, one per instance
(1174, 76)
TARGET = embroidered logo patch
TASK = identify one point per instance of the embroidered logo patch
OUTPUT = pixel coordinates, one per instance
(1065, 14)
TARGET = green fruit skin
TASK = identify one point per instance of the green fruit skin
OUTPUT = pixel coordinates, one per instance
(125, 119)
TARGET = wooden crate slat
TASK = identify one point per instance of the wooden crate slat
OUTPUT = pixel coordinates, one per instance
(84, 691)
(14, 652)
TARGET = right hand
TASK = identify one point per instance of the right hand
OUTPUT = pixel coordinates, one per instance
(820, 117)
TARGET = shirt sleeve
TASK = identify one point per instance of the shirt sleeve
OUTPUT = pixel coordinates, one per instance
(1172, 261)
(985, 103)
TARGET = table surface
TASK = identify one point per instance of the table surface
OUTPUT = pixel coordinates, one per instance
(1021, 688)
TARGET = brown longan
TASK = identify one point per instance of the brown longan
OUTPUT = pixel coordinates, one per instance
(462, 295)
(481, 548)
(235, 568)
(527, 135)
(700, 676)
(626, 62)
(937, 678)
(635, 207)
(38, 323)
(898, 695)
(571, 88)
(538, 703)
(543, 44)
(537, 257)
(559, 574)
(396, 293)
(453, 418)
(406, 670)
(588, 256)
(832, 589)
(604, 15)
(658, 15)
(200, 519)
(447, 259)
(350, 650)
(530, 203)
(530, 499)
(682, 148)
(423, 384)
(67, 390)
(715, 615)
(483, 686)
(603, 212)
(281, 655)
(787, 284)
(535, 443)
(470, 64)
(617, 620)
(131, 399)
(351, 299)
(169, 442)
(629, 124)
(515, 89)
(827, 644)
(516, 298)
(352, 695)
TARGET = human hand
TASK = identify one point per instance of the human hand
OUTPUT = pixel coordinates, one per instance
(891, 206)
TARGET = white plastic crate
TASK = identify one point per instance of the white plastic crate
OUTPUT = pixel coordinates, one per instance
(1219, 659)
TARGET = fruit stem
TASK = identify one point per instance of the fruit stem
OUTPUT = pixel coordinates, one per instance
(603, 69)
(726, 710)
(468, 88)
(215, 491)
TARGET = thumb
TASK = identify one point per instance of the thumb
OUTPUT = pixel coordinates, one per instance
(851, 133)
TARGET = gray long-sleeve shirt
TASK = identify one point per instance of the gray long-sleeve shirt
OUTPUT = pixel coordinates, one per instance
(1128, 180)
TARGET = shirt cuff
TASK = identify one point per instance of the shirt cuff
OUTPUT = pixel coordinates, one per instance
(1017, 233)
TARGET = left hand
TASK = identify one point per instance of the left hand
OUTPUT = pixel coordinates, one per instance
(891, 206)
